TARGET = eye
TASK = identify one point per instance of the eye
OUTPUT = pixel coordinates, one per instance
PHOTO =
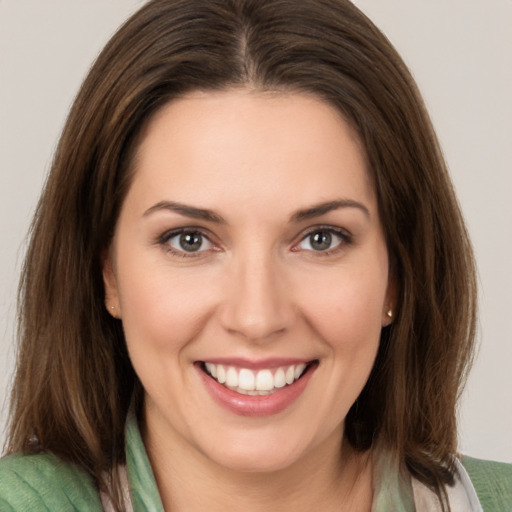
(188, 242)
(323, 240)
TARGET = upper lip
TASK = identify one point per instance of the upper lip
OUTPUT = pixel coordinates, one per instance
(259, 364)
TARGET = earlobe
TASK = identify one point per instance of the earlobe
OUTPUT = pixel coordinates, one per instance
(388, 312)
(110, 284)
(387, 318)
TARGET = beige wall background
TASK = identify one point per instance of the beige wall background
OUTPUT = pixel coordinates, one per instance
(460, 52)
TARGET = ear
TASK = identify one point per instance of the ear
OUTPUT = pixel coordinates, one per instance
(110, 283)
(389, 306)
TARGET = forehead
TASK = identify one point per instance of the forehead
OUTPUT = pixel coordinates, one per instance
(290, 146)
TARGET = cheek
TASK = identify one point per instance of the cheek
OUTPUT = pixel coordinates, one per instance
(162, 313)
(347, 318)
(347, 307)
(161, 308)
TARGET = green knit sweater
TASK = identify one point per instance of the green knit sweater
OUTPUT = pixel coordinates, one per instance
(42, 483)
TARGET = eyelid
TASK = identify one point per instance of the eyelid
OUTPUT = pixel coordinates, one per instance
(163, 240)
(166, 236)
(344, 234)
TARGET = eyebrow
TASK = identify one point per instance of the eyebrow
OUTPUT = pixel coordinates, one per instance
(301, 215)
(323, 208)
(187, 211)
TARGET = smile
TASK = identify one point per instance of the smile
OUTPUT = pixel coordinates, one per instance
(256, 383)
(253, 388)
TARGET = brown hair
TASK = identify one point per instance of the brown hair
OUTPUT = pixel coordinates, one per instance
(74, 380)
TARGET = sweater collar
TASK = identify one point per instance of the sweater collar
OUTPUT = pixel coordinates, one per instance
(394, 489)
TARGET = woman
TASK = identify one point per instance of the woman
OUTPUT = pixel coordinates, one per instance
(249, 283)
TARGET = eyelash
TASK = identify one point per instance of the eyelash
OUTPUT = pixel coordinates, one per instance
(164, 239)
(346, 239)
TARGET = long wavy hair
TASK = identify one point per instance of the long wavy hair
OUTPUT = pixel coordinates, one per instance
(74, 380)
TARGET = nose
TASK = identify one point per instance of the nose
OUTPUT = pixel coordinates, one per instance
(258, 304)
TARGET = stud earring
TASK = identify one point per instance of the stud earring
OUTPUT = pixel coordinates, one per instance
(390, 313)
(112, 311)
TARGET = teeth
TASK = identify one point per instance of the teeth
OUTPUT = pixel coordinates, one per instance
(264, 380)
(232, 378)
(249, 382)
(246, 380)
(279, 378)
(298, 370)
(212, 369)
(221, 374)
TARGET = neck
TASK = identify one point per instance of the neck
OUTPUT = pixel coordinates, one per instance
(330, 477)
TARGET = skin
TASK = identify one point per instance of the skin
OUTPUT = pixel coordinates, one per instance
(256, 289)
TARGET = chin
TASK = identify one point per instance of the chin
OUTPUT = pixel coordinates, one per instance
(255, 462)
(257, 455)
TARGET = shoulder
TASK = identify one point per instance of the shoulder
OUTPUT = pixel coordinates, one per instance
(43, 483)
(492, 482)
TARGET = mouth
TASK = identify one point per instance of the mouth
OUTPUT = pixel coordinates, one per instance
(256, 382)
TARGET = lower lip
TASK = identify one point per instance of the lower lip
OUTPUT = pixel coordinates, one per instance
(261, 405)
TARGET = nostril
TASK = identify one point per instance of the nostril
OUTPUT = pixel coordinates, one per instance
(255, 325)
(256, 305)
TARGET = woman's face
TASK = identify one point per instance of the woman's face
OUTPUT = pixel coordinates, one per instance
(250, 272)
